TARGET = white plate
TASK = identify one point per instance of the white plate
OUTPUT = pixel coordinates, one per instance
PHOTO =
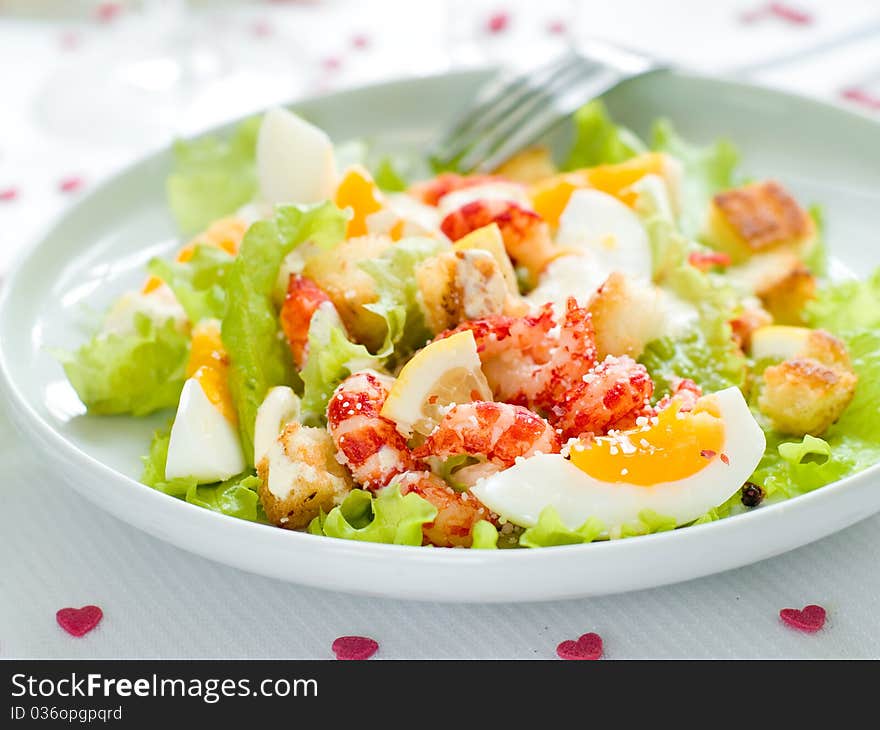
(99, 249)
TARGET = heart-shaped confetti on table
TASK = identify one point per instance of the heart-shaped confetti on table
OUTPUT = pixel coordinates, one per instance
(588, 646)
(79, 621)
(810, 618)
(70, 184)
(354, 647)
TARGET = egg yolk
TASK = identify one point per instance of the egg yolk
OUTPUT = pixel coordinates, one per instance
(225, 234)
(358, 192)
(209, 365)
(672, 446)
(549, 197)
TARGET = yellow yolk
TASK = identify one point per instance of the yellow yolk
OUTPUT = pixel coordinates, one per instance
(358, 192)
(549, 197)
(225, 234)
(209, 365)
(670, 447)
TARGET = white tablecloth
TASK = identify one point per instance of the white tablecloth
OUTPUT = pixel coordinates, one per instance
(58, 550)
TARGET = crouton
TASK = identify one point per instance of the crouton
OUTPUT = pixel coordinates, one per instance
(788, 297)
(350, 287)
(758, 217)
(626, 317)
(528, 166)
(804, 396)
(300, 476)
(460, 285)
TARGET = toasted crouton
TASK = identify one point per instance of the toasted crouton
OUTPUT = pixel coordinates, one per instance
(758, 217)
(786, 299)
(626, 317)
(460, 285)
(528, 166)
(300, 476)
(804, 396)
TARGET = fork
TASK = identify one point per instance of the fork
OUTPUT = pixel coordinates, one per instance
(511, 112)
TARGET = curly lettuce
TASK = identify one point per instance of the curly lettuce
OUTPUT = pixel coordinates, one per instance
(213, 177)
(236, 497)
(387, 517)
(598, 140)
(332, 358)
(129, 373)
(550, 530)
(398, 294)
(707, 171)
(250, 330)
(198, 284)
(851, 310)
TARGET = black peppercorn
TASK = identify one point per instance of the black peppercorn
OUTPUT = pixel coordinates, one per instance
(752, 494)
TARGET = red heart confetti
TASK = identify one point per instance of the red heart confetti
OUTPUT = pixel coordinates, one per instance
(332, 63)
(69, 40)
(588, 646)
(8, 194)
(354, 648)
(79, 621)
(810, 618)
(556, 27)
(498, 22)
(360, 41)
(262, 29)
(107, 12)
(860, 96)
(70, 184)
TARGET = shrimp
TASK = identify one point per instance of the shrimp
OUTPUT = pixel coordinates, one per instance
(529, 360)
(430, 191)
(526, 235)
(687, 392)
(457, 512)
(303, 298)
(612, 394)
(368, 444)
(500, 432)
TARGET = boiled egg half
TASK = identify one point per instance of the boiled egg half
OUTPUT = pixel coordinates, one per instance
(678, 464)
(204, 442)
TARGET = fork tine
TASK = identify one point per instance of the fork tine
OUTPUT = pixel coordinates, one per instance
(541, 100)
(560, 106)
(494, 103)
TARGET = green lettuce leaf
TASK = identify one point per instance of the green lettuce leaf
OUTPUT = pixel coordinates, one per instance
(135, 373)
(847, 307)
(387, 517)
(706, 354)
(649, 522)
(332, 358)
(154, 467)
(398, 291)
(236, 497)
(550, 530)
(816, 258)
(213, 177)
(198, 284)
(389, 177)
(485, 536)
(258, 357)
(598, 140)
(707, 170)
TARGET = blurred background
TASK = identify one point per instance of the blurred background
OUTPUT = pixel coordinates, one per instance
(88, 85)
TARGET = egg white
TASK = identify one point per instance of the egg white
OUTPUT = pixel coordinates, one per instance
(295, 160)
(204, 445)
(600, 225)
(520, 493)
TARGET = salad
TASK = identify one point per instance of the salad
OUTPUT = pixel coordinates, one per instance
(629, 340)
